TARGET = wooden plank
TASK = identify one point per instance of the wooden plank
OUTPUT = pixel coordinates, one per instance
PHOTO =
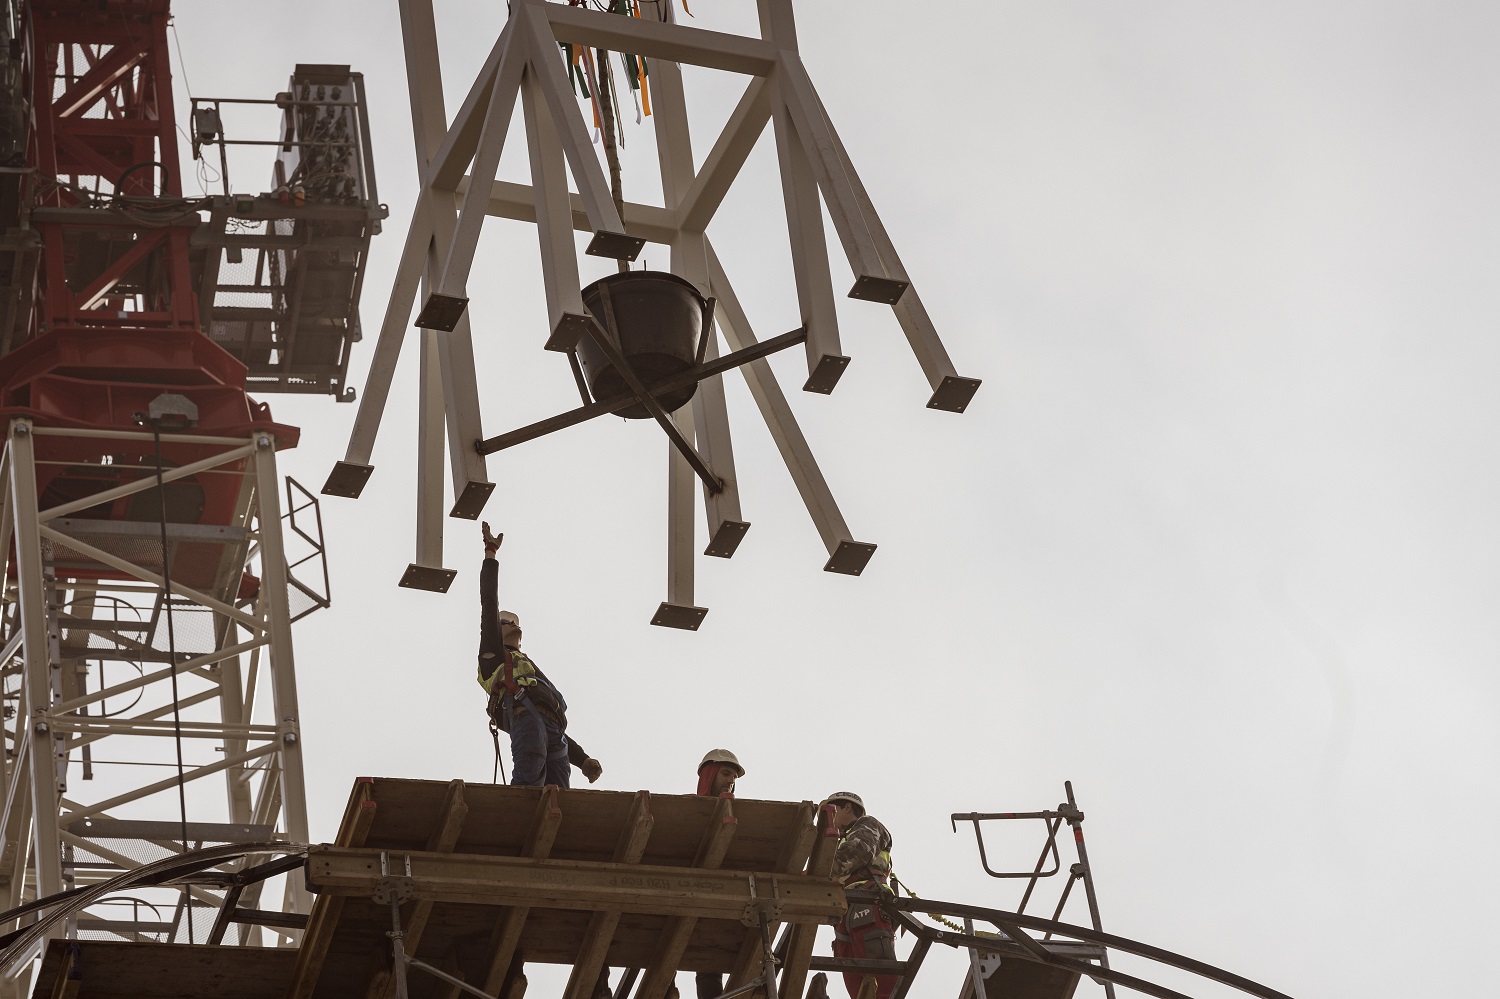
(799, 946)
(794, 856)
(711, 849)
(359, 818)
(601, 929)
(444, 838)
(507, 932)
(112, 968)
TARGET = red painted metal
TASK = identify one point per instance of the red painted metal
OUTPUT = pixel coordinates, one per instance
(105, 128)
(115, 320)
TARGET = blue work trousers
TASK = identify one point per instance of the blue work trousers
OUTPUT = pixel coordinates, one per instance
(538, 747)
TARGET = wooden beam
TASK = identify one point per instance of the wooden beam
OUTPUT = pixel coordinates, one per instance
(711, 849)
(359, 816)
(601, 929)
(443, 839)
(588, 885)
(507, 932)
(795, 851)
(799, 947)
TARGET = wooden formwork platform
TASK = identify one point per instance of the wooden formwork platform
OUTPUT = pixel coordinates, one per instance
(494, 876)
(109, 969)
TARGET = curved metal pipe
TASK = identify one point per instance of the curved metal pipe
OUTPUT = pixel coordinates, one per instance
(179, 868)
(1013, 922)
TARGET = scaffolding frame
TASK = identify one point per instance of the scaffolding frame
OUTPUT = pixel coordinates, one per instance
(71, 576)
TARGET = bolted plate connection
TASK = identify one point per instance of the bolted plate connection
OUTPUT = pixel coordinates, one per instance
(727, 539)
(471, 502)
(953, 395)
(616, 245)
(425, 577)
(347, 479)
(678, 616)
(442, 312)
(826, 375)
(878, 289)
(850, 558)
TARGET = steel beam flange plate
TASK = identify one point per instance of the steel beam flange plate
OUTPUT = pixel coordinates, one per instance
(678, 616)
(727, 538)
(442, 312)
(347, 479)
(569, 328)
(469, 505)
(756, 907)
(392, 888)
(615, 245)
(826, 375)
(851, 558)
(878, 289)
(953, 395)
(426, 577)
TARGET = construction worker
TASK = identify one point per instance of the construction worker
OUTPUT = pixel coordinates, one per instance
(717, 772)
(522, 701)
(862, 861)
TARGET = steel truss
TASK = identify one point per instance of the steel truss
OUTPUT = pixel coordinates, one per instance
(458, 164)
(104, 664)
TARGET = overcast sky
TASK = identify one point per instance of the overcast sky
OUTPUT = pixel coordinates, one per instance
(1216, 540)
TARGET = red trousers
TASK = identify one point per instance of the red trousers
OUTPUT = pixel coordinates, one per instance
(865, 932)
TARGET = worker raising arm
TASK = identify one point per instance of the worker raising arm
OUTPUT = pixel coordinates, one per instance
(522, 700)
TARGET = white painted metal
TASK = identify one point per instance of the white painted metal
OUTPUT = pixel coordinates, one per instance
(554, 219)
(771, 402)
(815, 170)
(65, 635)
(674, 148)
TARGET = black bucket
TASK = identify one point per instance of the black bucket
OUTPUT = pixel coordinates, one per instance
(658, 318)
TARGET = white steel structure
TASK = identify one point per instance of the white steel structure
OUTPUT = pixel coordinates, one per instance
(458, 162)
(122, 694)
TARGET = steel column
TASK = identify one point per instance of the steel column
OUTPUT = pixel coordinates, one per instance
(37, 683)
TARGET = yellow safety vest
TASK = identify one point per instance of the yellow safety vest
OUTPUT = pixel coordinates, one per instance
(523, 673)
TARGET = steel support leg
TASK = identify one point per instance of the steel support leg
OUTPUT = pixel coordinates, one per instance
(37, 683)
(278, 622)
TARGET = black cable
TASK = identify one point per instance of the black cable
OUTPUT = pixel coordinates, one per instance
(166, 575)
(166, 176)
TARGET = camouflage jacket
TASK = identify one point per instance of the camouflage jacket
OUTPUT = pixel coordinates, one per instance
(864, 851)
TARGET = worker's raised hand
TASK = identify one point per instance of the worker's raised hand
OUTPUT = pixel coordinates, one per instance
(592, 769)
(491, 541)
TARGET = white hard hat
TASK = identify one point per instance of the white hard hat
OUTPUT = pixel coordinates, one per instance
(509, 617)
(848, 796)
(723, 757)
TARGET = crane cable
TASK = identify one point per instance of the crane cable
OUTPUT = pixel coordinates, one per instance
(166, 575)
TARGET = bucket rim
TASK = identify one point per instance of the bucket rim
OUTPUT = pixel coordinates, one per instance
(626, 276)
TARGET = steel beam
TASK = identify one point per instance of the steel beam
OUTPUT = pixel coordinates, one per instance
(566, 315)
(726, 523)
(36, 696)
